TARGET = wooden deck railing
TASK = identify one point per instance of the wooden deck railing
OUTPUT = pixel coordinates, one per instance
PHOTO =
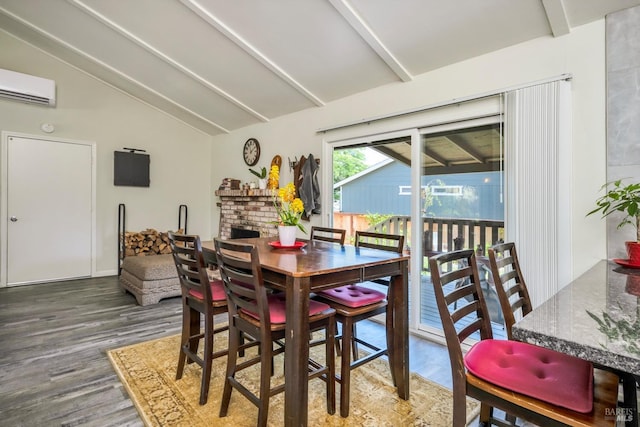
(446, 234)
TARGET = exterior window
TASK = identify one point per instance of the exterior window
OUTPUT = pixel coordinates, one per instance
(436, 190)
(446, 190)
(404, 190)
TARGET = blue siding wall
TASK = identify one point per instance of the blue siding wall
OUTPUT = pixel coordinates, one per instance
(378, 192)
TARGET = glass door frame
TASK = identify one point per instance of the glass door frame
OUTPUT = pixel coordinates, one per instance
(416, 246)
(430, 332)
(468, 113)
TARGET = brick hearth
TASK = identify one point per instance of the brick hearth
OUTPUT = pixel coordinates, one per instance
(247, 209)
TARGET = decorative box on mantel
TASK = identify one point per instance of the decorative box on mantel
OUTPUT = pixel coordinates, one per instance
(248, 209)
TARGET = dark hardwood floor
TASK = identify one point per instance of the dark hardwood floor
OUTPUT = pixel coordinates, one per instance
(54, 368)
(54, 337)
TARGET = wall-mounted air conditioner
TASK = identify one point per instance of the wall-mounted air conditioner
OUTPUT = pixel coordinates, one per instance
(27, 88)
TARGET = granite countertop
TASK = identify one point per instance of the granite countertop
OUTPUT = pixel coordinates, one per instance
(596, 317)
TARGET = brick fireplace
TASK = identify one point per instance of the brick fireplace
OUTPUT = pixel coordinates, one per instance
(248, 210)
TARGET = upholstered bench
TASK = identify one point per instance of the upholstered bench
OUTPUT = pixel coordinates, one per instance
(150, 278)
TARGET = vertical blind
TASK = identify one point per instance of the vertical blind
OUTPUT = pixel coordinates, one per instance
(538, 177)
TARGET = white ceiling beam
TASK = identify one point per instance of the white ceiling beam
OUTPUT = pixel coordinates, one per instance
(212, 20)
(149, 48)
(557, 17)
(108, 67)
(367, 34)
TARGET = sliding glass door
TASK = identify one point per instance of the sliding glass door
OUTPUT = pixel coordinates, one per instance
(448, 189)
(438, 182)
(440, 187)
(461, 205)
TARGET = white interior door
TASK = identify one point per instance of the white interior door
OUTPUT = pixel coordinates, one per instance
(49, 210)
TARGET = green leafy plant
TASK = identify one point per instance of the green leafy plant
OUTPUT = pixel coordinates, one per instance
(374, 219)
(619, 198)
(262, 174)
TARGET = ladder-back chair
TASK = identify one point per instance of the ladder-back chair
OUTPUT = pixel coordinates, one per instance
(357, 302)
(200, 298)
(533, 383)
(259, 317)
(515, 301)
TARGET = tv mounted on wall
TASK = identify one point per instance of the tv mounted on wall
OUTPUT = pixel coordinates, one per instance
(130, 168)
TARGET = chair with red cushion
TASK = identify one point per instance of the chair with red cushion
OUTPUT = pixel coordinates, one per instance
(260, 318)
(515, 301)
(357, 302)
(533, 383)
(200, 298)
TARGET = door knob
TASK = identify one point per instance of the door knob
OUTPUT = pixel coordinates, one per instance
(13, 219)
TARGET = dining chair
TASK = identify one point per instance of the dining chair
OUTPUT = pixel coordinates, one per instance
(533, 383)
(326, 234)
(509, 283)
(200, 298)
(516, 303)
(357, 302)
(260, 318)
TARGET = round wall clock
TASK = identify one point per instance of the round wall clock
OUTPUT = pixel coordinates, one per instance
(251, 151)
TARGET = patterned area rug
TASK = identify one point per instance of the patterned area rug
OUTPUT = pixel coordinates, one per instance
(148, 371)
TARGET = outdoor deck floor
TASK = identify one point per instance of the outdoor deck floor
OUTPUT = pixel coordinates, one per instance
(430, 317)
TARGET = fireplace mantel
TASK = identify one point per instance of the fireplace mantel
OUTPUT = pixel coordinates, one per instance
(247, 209)
(254, 192)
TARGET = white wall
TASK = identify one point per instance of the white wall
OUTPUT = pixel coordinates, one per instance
(580, 53)
(90, 110)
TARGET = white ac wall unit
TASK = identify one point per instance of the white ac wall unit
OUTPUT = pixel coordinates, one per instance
(27, 88)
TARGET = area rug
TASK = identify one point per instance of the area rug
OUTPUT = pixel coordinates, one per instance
(148, 371)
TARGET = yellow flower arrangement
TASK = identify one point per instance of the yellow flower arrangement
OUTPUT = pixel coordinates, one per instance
(274, 177)
(289, 207)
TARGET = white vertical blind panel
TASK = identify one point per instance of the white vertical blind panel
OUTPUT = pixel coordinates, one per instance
(534, 134)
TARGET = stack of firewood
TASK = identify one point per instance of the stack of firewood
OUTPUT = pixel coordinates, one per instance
(146, 242)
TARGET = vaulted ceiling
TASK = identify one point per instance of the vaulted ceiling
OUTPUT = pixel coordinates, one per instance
(220, 65)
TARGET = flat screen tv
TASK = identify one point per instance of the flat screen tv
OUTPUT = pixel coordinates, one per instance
(131, 169)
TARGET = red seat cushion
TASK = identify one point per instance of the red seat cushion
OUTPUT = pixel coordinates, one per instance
(277, 309)
(538, 372)
(353, 295)
(217, 291)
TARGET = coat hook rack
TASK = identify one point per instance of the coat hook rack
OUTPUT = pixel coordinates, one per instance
(294, 163)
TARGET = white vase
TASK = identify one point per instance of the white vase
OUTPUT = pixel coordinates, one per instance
(262, 183)
(287, 234)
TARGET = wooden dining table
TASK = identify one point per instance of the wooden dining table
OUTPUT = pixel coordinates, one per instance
(596, 317)
(322, 265)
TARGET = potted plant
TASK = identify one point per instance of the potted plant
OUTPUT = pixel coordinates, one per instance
(262, 177)
(289, 209)
(625, 199)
